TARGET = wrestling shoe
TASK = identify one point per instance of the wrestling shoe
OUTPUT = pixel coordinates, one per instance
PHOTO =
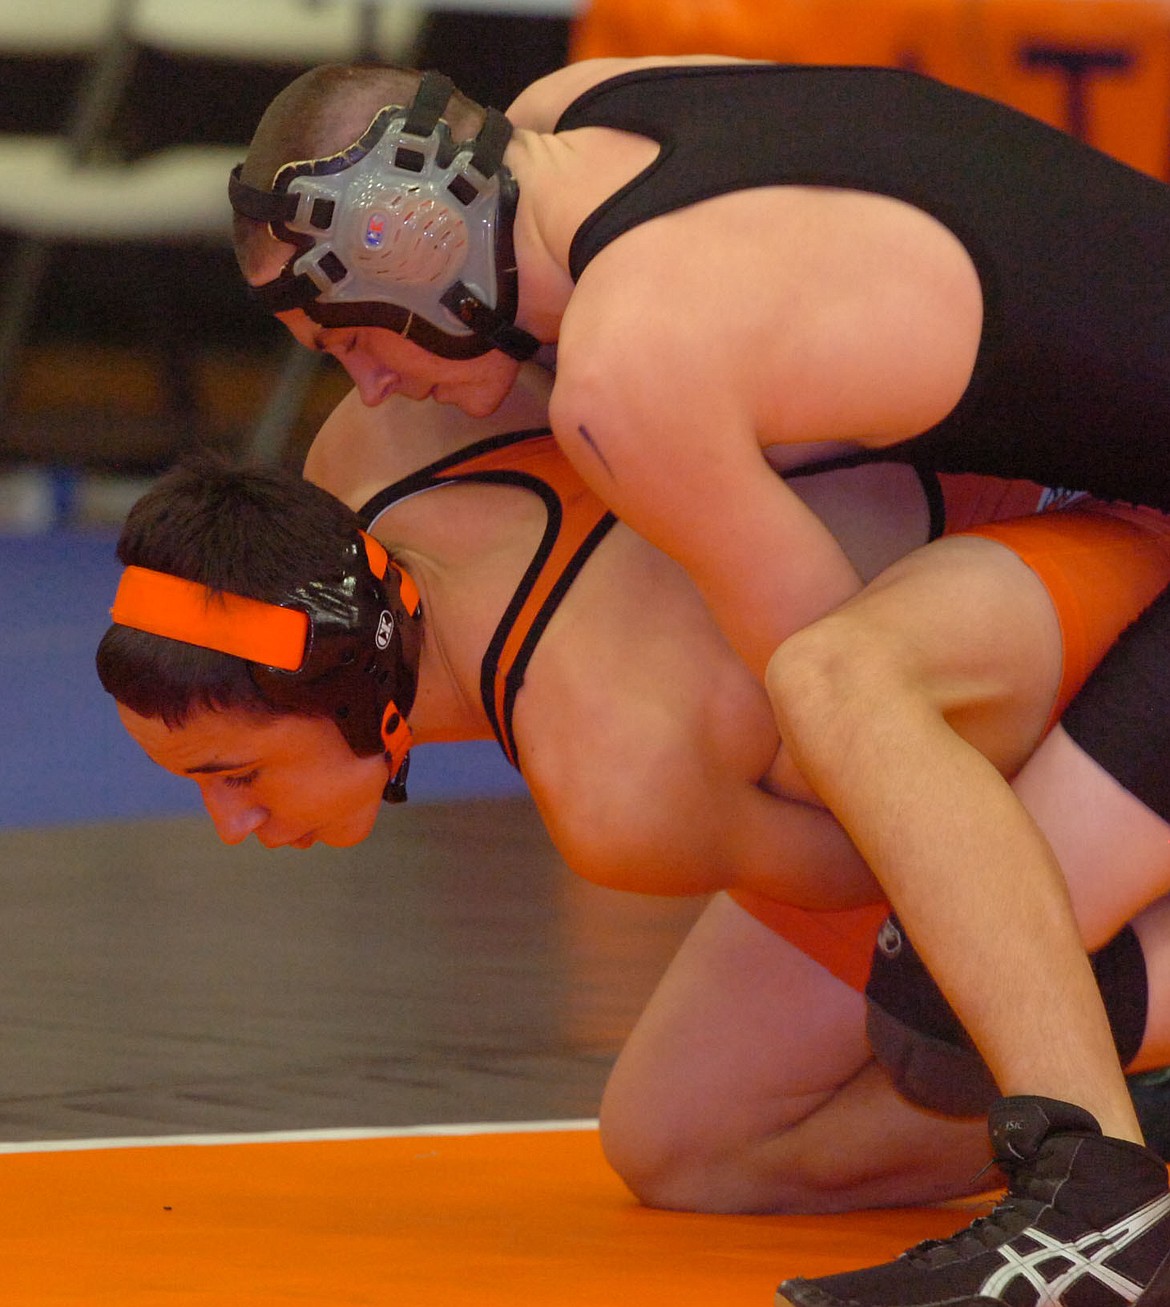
(1085, 1222)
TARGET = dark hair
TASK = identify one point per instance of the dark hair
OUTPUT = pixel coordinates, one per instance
(323, 112)
(258, 532)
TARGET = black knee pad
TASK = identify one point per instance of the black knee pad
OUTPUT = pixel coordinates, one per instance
(920, 1043)
(1121, 718)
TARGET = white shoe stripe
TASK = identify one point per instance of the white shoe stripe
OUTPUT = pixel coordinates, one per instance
(1087, 1255)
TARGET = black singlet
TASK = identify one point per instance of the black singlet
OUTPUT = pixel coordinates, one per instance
(577, 522)
(1072, 382)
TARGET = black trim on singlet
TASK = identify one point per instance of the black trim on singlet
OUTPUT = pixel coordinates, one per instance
(936, 504)
(932, 491)
(425, 476)
(445, 471)
(514, 676)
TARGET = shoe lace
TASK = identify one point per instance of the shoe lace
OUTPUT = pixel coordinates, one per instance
(1015, 1210)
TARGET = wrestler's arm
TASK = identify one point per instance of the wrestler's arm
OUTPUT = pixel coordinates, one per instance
(671, 820)
(838, 318)
(686, 813)
(684, 810)
(677, 459)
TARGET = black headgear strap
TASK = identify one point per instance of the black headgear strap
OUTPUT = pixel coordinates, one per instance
(360, 665)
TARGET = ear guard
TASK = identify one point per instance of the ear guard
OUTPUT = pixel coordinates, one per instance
(343, 647)
(402, 230)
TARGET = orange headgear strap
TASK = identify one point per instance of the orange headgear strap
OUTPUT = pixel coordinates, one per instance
(379, 561)
(161, 604)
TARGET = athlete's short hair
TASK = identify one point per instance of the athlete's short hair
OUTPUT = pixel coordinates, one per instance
(257, 532)
(321, 113)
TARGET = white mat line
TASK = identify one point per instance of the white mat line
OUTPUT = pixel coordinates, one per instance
(298, 1136)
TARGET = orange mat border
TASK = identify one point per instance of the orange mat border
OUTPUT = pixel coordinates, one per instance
(415, 1221)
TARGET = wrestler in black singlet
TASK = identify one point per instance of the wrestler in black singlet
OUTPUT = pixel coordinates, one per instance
(1071, 386)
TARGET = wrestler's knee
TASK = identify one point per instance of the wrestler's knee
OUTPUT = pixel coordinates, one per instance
(703, 1167)
(861, 1147)
(675, 1164)
(653, 1160)
(839, 659)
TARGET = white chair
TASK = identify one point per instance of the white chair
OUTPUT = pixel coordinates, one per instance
(78, 188)
(39, 28)
(279, 31)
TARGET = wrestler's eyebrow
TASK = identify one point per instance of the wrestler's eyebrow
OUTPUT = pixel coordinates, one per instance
(211, 768)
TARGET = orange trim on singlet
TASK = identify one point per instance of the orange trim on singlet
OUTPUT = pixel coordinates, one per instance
(1102, 564)
(842, 942)
(568, 541)
(577, 521)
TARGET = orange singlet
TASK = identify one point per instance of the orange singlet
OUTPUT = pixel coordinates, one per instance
(1101, 564)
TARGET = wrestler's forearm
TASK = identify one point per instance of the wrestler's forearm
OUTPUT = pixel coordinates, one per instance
(795, 852)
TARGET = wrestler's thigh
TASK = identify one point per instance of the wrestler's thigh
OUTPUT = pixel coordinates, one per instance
(1153, 929)
(744, 1036)
(965, 623)
(1114, 851)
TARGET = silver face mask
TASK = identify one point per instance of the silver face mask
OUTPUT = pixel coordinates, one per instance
(402, 230)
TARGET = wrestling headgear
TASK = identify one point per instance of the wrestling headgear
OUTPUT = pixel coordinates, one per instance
(345, 647)
(402, 230)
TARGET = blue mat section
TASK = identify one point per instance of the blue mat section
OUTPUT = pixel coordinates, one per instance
(63, 754)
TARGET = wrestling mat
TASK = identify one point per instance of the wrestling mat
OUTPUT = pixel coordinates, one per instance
(483, 1215)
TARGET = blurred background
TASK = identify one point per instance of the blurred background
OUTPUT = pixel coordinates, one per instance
(124, 335)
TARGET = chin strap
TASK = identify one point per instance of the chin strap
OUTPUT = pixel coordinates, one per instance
(396, 734)
(395, 730)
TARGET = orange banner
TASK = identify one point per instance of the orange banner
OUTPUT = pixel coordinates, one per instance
(1098, 69)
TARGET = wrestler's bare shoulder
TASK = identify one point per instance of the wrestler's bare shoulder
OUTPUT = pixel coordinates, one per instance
(681, 719)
